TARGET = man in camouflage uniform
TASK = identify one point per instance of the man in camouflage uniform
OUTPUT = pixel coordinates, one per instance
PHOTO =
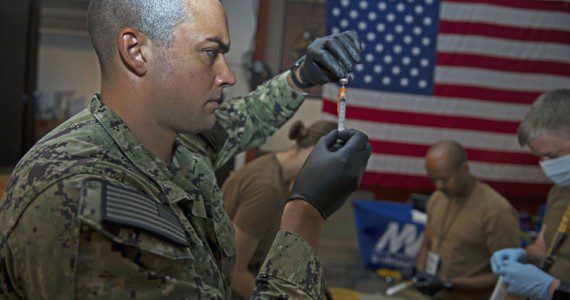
(121, 200)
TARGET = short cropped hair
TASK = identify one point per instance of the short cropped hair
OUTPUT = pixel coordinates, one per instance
(309, 136)
(455, 154)
(155, 18)
(549, 113)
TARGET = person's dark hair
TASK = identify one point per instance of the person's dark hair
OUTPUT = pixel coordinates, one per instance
(549, 113)
(155, 18)
(309, 136)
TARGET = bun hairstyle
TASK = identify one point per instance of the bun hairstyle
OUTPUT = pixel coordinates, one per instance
(309, 136)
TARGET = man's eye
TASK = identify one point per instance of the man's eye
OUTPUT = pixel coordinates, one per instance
(212, 53)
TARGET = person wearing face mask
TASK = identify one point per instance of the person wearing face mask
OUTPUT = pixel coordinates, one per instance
(546, 131)
(467, 221)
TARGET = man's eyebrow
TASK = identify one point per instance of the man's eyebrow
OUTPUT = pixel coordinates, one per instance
(223, 46)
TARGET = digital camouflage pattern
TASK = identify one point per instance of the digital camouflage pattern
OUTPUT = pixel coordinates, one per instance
(62, 237)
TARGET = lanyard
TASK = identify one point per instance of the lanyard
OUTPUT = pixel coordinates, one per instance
(443, 233)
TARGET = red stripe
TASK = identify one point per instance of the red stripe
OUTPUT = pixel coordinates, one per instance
(419, 119)
(503, 64)
(487, 94)
(423, 184)
(558, 6)
(505, 32)
(488, 156)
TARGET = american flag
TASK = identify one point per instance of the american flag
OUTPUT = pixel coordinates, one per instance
(455, 69)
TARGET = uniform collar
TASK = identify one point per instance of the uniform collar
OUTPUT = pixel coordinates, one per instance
(144, 160)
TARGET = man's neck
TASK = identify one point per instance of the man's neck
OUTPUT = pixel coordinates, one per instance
(141, 121)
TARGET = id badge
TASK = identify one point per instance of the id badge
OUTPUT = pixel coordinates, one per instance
(432, 263)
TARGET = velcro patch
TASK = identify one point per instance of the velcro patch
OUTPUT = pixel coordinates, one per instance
(131, 208)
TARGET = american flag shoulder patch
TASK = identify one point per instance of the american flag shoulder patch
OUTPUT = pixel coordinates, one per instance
(131, 208)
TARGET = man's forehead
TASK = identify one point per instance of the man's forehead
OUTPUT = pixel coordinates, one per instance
(208, 22)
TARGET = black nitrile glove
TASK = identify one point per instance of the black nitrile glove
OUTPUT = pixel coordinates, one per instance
(428, 284)
(329, 58)
(329, 176)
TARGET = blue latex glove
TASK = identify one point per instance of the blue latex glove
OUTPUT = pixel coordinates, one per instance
(504, 255)
(525, 280)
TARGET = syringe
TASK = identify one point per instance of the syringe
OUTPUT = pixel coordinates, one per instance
(341, 107)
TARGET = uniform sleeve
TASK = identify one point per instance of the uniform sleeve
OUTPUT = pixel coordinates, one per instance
(258, 209)
(55, 255)
(290, 271)
(502, 230)
(247, 122)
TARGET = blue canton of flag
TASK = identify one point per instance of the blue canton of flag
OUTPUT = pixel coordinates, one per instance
(399, 42)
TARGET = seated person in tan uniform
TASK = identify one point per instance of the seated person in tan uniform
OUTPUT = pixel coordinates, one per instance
(254, 198)
(546, 130)
(467, 221)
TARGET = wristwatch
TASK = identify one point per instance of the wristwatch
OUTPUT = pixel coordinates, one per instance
(296, 80)
(562, 292)
(447, 284)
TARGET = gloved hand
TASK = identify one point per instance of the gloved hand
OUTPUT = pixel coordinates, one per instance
(329, 176)
(504, 255)
(428, 284)
(330, 58)
(525, 280)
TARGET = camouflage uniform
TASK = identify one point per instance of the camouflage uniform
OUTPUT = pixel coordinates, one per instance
(89, 212)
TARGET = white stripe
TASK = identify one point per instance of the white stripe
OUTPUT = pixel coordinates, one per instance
(500, 80)
(429, 104)
(486, 171)
(429, 135)
(503, 48)
(500, 15)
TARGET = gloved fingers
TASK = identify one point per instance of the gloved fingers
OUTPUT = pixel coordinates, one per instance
(353, 36)
(355, 141)
(330, 65)
(353, 48)
(341, 53)
(329, 139)
(316, 72)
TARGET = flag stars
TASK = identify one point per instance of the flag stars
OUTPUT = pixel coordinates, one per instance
(367, 78)
(335, 30)
(380, 27)
(407, 39)
(362, 26)
(426, 41)
(424, 62)
(418, 30)
(397, 49)
(399, 28)
(345, 3)
(379, 48)
(353, 14)
(389, 38)
(369, 57)
(400, 7)
(386, 80)
(409, 19)
(377, 69)
(414, 72)
(406, 60)
(381, 6)
(359, 68)
(336, 11)
(422, 84)
(391, 17)
(388, 59)
(370, 36)
(372, 16)
(419, 9)
(343, 23)
(363, 4)
(396, 70)
(404, 82)
(416, 51)
(427, 21)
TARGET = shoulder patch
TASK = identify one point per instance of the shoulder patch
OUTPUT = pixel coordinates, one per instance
(135, 209)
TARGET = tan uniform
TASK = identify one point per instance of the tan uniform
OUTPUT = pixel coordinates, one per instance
(254, 198)
(558, 199)
(466, 232)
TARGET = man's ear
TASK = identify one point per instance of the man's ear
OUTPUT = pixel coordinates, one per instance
(132, 50)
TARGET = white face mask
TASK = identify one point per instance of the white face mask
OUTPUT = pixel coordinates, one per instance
(557, 169)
